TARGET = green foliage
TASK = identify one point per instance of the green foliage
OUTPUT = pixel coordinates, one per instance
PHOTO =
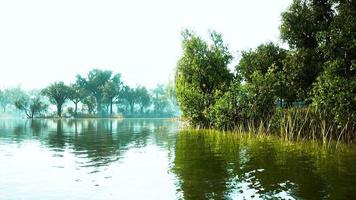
(32, 106)
(90, 104)
(163, 101)
(57, 94)
(231, 108)
(192, 104)
(319, 69)
(334, 96)
(9, 96)
(4, 100)
(131, 98)
(143, 98)
(301, 68)
(201, 71)
(305, 26)
(112, 90)
(261, 59)
(268, 59)
(262, 95)
(334, 92)
(305, 23)
(95, 83)
(76, 95)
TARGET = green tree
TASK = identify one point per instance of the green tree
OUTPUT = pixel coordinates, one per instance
(112, 90)
(261, 59)
(306, 22)
(334, 94)
(95, 83)
(268, 58)
(262, 95)
(130, 95)
(160, 100)
(335, 90)
(57, 94)
(9, 96)
(3, 100)
(201, 72)
(32, 106)
(143, 98)
(232, 108)
(305, 27)
(90, 104)
(334, 97)
(76, 95)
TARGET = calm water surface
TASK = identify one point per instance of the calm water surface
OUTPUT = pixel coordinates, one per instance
(155, 159)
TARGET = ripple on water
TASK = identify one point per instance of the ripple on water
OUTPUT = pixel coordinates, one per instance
(106, 159)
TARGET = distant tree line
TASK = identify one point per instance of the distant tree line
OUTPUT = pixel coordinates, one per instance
(98, 94)
(311, 84)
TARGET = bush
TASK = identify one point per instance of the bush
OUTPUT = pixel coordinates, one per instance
(334, 97)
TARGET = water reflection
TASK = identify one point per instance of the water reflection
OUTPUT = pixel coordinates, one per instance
(100, 141)
(225, 166)
(152, 159)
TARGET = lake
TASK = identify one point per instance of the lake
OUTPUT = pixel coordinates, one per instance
(158, 159)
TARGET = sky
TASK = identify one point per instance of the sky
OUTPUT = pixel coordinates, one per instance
(43, 41)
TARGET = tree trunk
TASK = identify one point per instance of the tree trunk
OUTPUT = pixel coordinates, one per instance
(75, 109)
(98, 106)
(111, 107)
(59, 110)
(27, 114)
(132, 108)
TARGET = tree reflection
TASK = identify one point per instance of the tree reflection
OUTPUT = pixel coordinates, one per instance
(201, 170)
(226, 166)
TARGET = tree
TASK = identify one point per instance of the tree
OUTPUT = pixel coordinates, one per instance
(9, 96)
(159, 100)
(334, 97)
(2, 100)
(143, 98)
(76, 95)
(305, 22)
(130, 95)
(201, 72)
(268, 58)
(32, 106)
(90, 104)
(163, 101)
(95, 83)
(334, 93)
(264, 57)
(305, 27)
(57, 94)
(112, 90)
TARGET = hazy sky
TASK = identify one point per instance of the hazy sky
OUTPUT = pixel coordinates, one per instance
(42, 41)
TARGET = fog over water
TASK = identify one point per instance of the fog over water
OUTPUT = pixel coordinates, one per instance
(42, 41)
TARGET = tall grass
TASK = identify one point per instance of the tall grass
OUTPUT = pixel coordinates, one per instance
(302, 124)
(297, 124)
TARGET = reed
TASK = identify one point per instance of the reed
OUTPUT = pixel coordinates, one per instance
(297, 124)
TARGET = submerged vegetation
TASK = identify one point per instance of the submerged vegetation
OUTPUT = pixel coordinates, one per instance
(100, 94)
(306, 91)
